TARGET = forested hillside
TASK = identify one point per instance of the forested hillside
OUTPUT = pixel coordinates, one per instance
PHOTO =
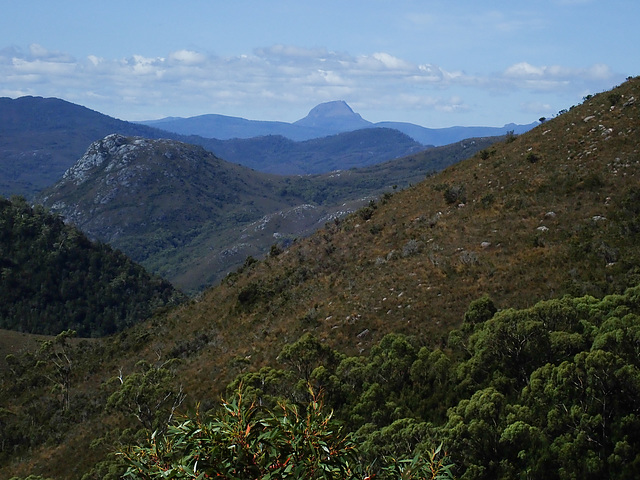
(53, 278)
(549, 392)
(344, 151)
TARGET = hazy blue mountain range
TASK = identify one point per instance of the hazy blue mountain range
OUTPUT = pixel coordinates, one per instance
(325, 119)
(341, 151)
(40, 138)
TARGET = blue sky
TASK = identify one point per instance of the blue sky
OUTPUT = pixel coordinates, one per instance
(434, 63)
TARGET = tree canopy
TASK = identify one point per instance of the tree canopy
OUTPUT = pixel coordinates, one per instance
(53, 278)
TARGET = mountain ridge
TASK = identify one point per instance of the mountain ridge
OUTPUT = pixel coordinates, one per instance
(339, 151)
(175, 193)
(324, 119)
(190, 216)
(41, 138)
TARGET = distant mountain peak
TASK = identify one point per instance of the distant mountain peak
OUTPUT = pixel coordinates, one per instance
(335, 116)
(337, 108)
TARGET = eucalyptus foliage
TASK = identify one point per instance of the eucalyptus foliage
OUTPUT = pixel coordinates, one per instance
(246, 441)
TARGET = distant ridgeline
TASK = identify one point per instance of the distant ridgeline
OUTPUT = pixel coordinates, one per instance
(52, 278)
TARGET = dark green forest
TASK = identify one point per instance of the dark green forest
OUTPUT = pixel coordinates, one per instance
(53, 278)
(551, 391)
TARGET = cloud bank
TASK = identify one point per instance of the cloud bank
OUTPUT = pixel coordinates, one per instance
(276, 79)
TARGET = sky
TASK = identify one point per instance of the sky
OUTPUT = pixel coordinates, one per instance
(434, 63)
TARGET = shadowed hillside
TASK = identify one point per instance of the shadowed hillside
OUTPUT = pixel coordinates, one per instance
(54, 279)
(276, 154)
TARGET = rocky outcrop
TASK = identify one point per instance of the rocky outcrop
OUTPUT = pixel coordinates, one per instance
(98, 153)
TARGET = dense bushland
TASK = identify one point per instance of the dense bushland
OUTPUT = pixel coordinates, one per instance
(546, 392)
(52, 278)
(552, 391)
(252, 442)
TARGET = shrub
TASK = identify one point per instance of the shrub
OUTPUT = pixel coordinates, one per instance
(487, 200)
(480, 311)
(454, 194)
(532, 157)
(311, 317)
(246, 441)
(250, 294)
(592, 182)
(614, 98)
(376, 229)
(412, 247)
(468, 258)
(366, 213)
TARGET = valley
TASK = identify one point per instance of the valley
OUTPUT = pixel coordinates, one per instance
(466, 306)
(44, 138)
(191, 217)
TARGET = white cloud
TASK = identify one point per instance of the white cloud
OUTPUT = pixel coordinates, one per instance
(95, 61)
(536, 108)
(391, 62)
(555, 77)
(291, 52)
(188, 57)
(140, 65)
(524, 70)
(331, 77)
(42, 67)
(600, 71)
(188, 82)
(39, 52)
